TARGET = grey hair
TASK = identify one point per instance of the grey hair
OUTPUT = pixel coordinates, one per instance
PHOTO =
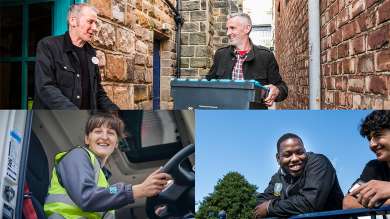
(245, 16)
(75, 10)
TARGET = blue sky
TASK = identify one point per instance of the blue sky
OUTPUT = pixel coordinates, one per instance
(245, 141)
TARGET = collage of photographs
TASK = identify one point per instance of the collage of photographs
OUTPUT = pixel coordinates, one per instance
(194, 109)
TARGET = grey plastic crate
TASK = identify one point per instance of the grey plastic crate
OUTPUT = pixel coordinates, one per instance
(216, 94)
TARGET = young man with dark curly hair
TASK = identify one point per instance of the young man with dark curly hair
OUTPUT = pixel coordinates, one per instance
(372, 189)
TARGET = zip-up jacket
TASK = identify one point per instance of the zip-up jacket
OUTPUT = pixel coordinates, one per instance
(316, 189)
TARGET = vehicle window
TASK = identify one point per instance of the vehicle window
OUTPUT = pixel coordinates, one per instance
(152, 135)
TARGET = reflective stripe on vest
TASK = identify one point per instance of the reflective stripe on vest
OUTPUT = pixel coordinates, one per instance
(58, 204)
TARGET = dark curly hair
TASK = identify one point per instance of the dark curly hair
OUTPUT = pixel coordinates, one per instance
(374, 124)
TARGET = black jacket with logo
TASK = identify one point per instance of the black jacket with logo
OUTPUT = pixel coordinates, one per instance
(316, 189)
(259, 65)
(58, 80)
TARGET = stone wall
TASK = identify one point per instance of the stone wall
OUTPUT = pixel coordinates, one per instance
(204, 31)
(126, 32)
(355, 54)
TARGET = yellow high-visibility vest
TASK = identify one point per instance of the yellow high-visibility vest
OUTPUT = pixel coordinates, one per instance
(59, 205)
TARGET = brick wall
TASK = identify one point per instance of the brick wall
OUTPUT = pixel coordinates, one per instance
(291, 51)
(355, 55)
(126, 31)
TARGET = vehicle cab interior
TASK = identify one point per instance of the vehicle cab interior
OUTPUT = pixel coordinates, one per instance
(154, 139)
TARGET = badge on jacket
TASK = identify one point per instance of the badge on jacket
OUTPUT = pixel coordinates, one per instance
(95, 60)
(277, 189)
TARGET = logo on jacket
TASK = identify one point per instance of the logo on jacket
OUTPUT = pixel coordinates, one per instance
(277, 189)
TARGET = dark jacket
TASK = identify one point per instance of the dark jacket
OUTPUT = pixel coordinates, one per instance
(316, 189)
(259, 65)
(58, 80)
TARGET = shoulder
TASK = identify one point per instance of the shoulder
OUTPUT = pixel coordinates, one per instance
(49, 40)
(375, 165)
(264, 51)
(321, 159)
(261, 48)
(223, 50)
(78, 154)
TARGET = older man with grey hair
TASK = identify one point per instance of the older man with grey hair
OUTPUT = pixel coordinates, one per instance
(66, 70)
(242, 60)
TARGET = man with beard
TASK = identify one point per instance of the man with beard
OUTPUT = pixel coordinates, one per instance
(305, 182)
(242, 60)
(372, 189)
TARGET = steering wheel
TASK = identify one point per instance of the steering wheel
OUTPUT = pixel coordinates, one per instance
(179, 197)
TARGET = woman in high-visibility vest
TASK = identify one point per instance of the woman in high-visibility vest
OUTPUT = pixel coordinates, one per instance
(79, 187)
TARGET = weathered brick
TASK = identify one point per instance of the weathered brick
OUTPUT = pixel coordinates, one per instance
(378, 38)
(356, 84)
(123, 96)
(358, 7)
(377, 84)
(366, 63)
(382, 60)
(383, 12)
(348, 66)
(343, 50)
(103, 6)
(115, 68)
(358, 45)
(348, 31)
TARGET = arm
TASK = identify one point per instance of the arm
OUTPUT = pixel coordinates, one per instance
(45, 82)
(268, 193)
(82, 188)
(275, 79)
(351, 202)
(368, 194)
(263, 200)
(213, 70)
(320, 176)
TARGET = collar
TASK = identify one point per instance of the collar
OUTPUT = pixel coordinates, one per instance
(68, 45)
(249, 56)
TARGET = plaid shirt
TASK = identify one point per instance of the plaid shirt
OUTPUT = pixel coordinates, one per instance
(238, 73)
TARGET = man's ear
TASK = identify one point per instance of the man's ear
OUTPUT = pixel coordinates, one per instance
(73, 21)
(247, 29)
(277, 158)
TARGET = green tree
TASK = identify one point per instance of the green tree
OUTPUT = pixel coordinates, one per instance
(233, 194)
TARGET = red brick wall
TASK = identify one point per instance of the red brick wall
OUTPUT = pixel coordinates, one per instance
(291, 50)
(355, 54)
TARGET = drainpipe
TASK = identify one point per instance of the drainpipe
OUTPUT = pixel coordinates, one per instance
(179, 22)
(314, 55)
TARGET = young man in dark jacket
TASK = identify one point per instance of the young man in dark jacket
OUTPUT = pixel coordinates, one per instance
(305, 182)
(372, 188)
(242, 60)
(66, 70)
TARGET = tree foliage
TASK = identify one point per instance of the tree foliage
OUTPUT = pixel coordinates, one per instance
(233, 194)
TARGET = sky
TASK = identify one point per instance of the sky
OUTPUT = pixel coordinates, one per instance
(245, 141)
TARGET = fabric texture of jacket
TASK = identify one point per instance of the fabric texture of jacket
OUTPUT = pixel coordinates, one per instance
(259, 65)
(316, 189)
(58, 79)
(79, 188)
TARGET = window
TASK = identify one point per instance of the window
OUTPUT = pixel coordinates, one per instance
(152, 135)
